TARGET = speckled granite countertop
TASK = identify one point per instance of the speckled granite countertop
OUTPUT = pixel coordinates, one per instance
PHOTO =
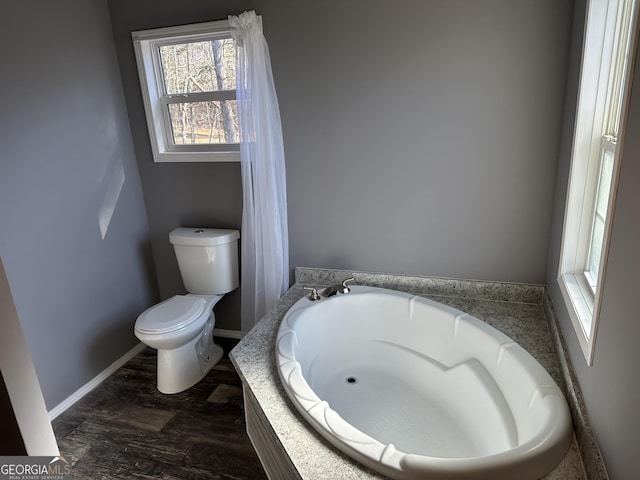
(514, 309)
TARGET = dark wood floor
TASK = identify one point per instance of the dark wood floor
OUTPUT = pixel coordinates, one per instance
(126, 429)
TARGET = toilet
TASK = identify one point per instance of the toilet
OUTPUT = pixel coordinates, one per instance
(181, 327)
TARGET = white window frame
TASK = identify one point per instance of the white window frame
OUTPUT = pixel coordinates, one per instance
(605, 78)
(146, 45)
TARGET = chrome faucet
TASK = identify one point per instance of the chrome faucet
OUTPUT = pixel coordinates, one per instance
(313, 296)
(333, 289)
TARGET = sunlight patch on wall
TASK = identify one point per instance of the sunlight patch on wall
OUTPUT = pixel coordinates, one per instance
(111, 196)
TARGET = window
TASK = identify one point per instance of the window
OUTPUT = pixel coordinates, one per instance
(187, 74)
(598, 135)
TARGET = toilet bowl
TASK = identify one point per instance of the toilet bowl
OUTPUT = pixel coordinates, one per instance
(181, 328)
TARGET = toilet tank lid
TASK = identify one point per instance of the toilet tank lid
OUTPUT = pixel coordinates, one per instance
(203, 236)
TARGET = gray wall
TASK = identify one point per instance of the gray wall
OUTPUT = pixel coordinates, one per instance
(611, 386)
(65, 145)
(177, 194)
(421, 137)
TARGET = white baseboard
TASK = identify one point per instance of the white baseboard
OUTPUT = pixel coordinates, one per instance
(102, 376)
(221, 332)
(93, 383)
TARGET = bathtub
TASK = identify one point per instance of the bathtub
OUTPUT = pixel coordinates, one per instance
(414, 389)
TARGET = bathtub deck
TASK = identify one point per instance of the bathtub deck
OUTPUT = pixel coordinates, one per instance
(296, 446)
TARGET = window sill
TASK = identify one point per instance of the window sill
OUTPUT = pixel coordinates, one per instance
(579, 302)
(213, 157)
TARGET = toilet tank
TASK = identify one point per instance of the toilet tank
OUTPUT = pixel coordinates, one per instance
(207, 258)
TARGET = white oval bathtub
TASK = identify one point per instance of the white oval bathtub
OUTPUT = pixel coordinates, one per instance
(415, 389)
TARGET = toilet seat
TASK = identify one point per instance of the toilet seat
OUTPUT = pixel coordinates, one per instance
(171, 315)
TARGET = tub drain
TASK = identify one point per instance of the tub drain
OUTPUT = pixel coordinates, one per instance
(351, 380)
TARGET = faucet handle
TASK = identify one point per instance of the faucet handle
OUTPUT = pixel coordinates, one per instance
(313, 296)
(345, 288)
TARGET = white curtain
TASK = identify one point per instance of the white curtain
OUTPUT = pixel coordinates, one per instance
(264, 236)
